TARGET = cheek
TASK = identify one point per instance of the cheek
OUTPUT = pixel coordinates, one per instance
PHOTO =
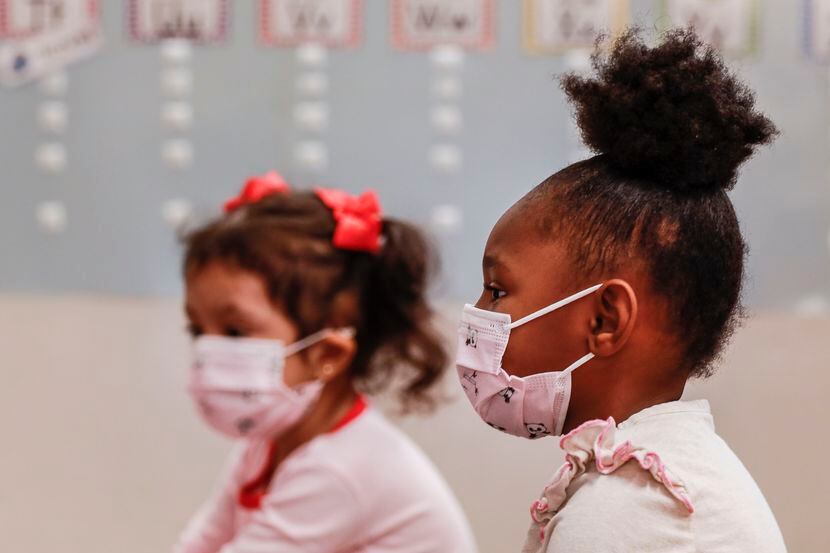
(296, 371)
(536, 348)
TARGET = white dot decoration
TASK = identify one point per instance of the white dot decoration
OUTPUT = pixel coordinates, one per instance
(55, 84)
(311, 116)
(446, 218)
(447, 57)
(313, 85)
(445, 158)
(51, 217)
(176, 51)
(177, 116)
(177, 153)
(176, 82)
(446, 119)
(312, 155)
(447, 88)
(51, 157)
(176, 212)
(312, 55)
(53, 117)
(578, 60)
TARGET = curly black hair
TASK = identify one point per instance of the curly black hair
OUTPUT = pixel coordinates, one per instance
(670, 125)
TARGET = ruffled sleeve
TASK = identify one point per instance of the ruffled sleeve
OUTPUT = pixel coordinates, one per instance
(594, 444)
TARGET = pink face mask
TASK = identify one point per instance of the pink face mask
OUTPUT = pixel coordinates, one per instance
(529, 407)
(237, 385)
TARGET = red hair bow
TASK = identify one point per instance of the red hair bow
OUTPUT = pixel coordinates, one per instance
(257, 188)
(358, 219)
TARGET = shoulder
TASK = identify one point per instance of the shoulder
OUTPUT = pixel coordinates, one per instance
(394, 482)
(627, 510)
(359, 456)
(368, 443)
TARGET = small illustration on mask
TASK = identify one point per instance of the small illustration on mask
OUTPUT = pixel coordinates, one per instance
(472, 338)
(248, 395)
(245, 425)
(496, 426)
(470, 377)
(537, 430)
(507, 393)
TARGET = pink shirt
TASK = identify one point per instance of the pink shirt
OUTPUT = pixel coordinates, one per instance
(364, 488)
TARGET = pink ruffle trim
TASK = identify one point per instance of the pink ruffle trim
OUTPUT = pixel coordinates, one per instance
(594, 440)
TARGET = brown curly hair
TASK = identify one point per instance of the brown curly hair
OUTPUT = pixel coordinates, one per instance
(286, 238)
(671, 126)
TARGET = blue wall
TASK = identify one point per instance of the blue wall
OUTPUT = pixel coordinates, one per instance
(515, 135)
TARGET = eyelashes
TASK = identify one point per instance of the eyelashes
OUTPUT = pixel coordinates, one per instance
(231, 332)
(494, 292)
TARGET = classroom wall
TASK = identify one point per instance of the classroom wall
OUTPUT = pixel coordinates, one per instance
(516, 134)
(100, 449)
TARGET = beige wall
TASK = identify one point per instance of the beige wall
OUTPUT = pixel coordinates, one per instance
(101, 453)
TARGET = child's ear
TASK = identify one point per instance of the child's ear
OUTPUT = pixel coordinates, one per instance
(615, 314)
(332, 356)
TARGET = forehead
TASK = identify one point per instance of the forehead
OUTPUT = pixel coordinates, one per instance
(535, 266)
(518, 236)
(218, 282)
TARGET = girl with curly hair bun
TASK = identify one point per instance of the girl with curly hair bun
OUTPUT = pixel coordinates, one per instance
(643, 243)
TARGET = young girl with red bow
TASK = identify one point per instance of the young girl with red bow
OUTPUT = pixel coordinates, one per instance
(296, 300)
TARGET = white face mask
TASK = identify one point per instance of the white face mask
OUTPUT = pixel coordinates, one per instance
(529, 407)
(238, 387)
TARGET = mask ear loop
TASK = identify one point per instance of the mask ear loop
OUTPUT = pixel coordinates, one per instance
(553, 307)
(566, 374)
(319, 336)
(581, 361)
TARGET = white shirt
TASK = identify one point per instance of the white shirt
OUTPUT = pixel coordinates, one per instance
(364, 488)
(662, 481)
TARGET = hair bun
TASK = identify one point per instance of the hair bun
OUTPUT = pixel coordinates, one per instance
(672, 115)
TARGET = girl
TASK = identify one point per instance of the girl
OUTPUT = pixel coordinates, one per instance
(295, 301)
(646, 231)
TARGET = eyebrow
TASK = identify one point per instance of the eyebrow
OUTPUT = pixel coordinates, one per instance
(227, 310)
(490, 261)
(232, 310)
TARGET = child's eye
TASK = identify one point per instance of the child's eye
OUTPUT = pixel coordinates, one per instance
(194, 330)
(495, 293)
(233, 332)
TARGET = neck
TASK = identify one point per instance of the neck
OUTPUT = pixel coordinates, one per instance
(621, 398)
(336, 398)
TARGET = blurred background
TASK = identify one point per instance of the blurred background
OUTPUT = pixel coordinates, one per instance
(114, 142)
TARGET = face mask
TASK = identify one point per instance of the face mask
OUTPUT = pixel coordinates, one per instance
(237, 385)
(529, 407)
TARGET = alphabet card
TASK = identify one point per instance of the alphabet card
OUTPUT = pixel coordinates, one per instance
(555, 26)
(424, 24)
(729, 25)
(196, 20)
(45, 36)
(25, 18)
(330, 23)
(817, 29)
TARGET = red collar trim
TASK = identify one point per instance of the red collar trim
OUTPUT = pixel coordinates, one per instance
(251, 494)
(357, 409)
